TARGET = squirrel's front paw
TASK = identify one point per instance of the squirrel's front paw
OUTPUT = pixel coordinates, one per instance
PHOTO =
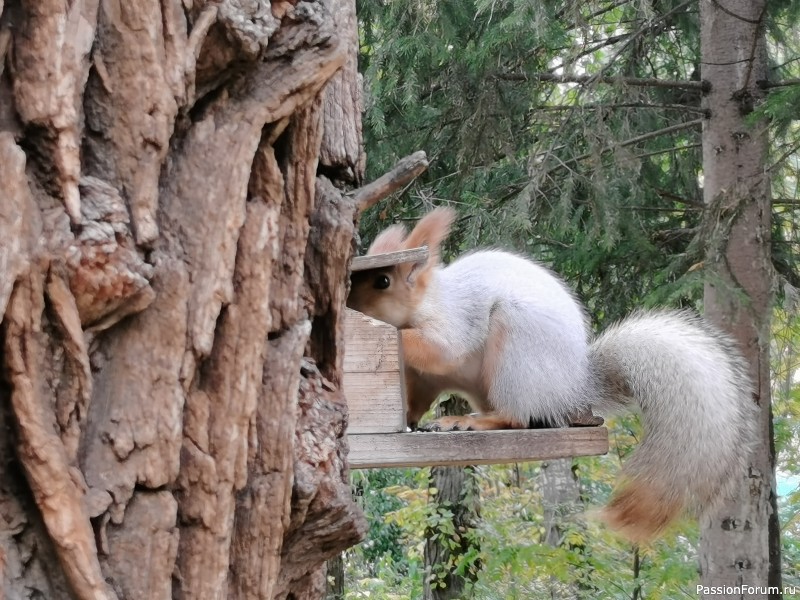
(447, 424)
(484, 422)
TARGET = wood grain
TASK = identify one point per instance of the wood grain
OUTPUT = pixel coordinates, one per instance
(388, 259)
(474, 447)
(370, 345)
(372, 383)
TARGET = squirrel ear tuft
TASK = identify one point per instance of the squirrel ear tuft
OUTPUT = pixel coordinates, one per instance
(431, 231)
(389, 240)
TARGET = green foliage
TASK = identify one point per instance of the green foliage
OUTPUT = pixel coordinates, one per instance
(786, 423)
(781, 107)
(374, 488)
(515, 561)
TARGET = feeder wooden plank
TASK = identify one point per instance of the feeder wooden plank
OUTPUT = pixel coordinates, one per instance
(370, 346)
(374, 403)
(372, 383)
(388, 259)
(474, 447)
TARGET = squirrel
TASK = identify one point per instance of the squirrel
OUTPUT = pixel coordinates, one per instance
(509, 335)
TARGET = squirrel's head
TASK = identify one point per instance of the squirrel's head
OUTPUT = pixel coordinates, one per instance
(392, 294)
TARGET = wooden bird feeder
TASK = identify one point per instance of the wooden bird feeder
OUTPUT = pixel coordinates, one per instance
(375, 391)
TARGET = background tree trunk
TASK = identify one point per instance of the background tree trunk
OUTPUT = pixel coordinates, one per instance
(457, 496)
(172, 279)
(561, 501)
(561, 497)
(335, 572)
(741, 546)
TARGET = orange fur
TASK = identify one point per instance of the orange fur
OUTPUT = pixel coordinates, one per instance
(439, 357)
(419, 353)
(420, 394)
(431, 231)
(495, 341)
(409, 281)
(389, 240)
(483, 422)
(395, 306)
(640, 512)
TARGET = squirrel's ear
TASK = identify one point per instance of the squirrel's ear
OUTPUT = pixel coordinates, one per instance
(412, 271)
(431, 231)
(389, 240)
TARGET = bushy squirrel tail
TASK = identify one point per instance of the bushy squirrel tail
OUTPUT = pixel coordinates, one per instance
(698, 415)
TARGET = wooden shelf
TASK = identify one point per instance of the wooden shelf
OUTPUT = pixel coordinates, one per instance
(378, 450)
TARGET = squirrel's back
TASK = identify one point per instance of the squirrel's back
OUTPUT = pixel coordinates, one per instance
(496, 276)
(542, 364)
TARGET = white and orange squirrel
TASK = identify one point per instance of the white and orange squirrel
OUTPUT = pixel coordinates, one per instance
(508, 335)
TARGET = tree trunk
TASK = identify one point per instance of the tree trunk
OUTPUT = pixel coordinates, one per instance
(561, 497)
(741, 545)
(335, 572)
(561, 501)
(457, 494)
(172, 281)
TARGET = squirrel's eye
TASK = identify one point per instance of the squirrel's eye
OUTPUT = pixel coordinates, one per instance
(381, 282)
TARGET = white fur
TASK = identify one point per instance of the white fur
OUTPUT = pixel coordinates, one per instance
(696, 400)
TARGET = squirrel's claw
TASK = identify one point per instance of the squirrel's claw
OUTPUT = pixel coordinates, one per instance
(432, 426)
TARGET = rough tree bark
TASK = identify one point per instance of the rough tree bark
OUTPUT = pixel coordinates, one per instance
(740, 546)
(174, 241)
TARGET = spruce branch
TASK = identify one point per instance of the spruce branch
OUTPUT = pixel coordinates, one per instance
(616, 105)
(703, 86)
(667, 150)
(779, 161)
(610, 41)
(793, 203)
(560, 14)
(651, 26)
(768, 85)
(629, 142)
